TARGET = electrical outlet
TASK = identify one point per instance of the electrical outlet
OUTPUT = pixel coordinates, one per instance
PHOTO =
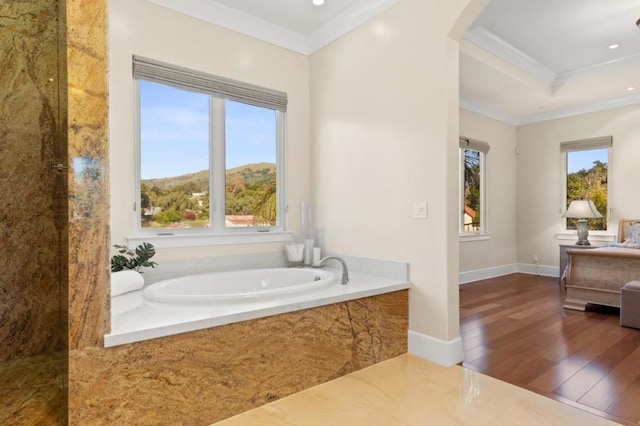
(419, 210)
(535, 258)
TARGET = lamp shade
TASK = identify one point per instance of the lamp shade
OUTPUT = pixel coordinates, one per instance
(582, 209)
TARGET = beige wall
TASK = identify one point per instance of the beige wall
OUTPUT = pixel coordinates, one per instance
(383, 102)
(500, 249)
(141, 28)
(384, 131)
(539, 175)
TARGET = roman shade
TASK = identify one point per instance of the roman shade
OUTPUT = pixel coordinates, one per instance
(197, 81)
(587, 144)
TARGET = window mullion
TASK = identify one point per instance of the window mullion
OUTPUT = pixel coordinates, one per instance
(281, 125)
(137, 155)
(217, 164)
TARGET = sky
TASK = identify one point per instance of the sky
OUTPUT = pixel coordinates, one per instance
(174, 127)
(578, 160)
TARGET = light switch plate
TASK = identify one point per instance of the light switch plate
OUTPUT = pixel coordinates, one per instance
(419, 210)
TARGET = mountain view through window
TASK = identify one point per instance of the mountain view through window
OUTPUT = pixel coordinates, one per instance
(180, 158)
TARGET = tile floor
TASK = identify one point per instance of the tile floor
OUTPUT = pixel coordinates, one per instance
(411, 391)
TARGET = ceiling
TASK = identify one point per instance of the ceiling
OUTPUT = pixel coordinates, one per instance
(296, 25)
(524, 61)
(300, 16)
(521, 61)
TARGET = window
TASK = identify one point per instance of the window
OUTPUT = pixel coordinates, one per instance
(586, 176)
(210, 151)
(473, 211)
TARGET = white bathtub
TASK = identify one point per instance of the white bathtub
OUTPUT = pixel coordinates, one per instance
(238, 286)
(135, 318)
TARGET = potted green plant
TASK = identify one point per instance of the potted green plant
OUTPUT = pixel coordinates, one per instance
(133, 259)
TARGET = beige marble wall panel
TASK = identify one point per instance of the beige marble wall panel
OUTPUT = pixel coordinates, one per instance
(62, 206)
(31, 391)
(201, 377)
(88, 181)
(29, 283)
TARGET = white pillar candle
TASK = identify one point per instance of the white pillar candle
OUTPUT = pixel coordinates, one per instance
(316, 256)
(308, 247)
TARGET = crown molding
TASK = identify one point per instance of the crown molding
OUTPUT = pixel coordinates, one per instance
(509, 53)
(604, 67)
(485, 39)
(514, 120)
(488, 111)
(582, 109)
(234, 20)
(351, 18)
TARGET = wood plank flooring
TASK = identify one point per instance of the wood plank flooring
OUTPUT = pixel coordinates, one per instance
(515, 329)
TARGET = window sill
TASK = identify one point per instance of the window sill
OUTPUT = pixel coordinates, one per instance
(465, 238)
(184, 240)
(600, 237)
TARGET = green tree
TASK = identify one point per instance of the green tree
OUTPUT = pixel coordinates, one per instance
(266, 208)
(589, 184)
(168, 216)
(144, 196)
(472, 184)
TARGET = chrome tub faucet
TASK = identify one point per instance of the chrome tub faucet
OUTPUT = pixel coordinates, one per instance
(345, 271)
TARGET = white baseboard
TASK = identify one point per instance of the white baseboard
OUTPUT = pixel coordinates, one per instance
(445, 353)
(483, 274)
(547, 271)
(498, 271)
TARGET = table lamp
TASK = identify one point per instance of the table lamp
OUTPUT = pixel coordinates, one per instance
(582, 210)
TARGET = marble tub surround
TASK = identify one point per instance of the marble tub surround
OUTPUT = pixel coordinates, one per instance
(408, 390)
(208, 375)
(134, 319)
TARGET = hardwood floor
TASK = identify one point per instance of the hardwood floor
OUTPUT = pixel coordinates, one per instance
(515, 329)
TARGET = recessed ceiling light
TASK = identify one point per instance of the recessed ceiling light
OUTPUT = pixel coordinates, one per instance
(638, 23)
(631, 89)
(318, 2)
(614, 46)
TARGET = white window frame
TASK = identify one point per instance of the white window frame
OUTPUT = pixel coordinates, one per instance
(217, 233)
(585, 145)
(483, 148)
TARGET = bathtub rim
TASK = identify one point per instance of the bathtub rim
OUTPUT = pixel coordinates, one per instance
(360, 286)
